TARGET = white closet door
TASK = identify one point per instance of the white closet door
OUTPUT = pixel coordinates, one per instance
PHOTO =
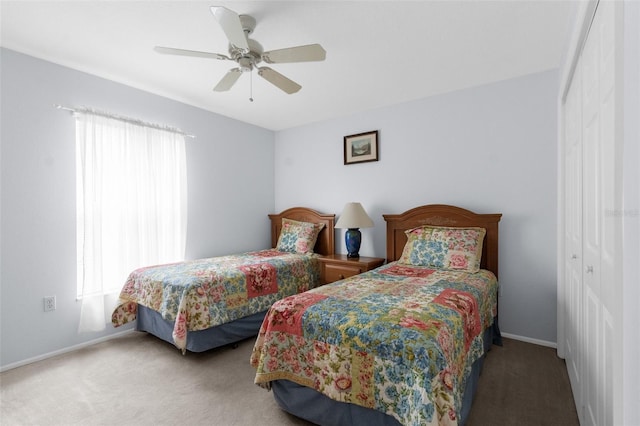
(592, 219)
(592, 291)
(600, 234)
(573, 233)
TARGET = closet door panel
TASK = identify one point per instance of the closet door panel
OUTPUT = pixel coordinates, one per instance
(591, 164)
(592, 354)
(607, 370)
(600, 225)
(573, 233)
(610, 177)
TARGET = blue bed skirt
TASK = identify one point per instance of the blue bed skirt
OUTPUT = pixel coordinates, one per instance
(317, 408)
(202, 340)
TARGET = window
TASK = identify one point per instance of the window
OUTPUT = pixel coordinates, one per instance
(131, 206)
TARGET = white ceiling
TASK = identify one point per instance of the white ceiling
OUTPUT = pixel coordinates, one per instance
(378, 52)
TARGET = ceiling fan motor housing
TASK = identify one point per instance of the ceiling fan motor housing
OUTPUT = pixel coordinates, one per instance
(245, 64)
(247, 60)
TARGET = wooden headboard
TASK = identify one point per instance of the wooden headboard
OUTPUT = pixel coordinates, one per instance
(443, 215)
(324, 244)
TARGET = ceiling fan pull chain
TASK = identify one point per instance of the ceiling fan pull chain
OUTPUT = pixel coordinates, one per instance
(251, 86)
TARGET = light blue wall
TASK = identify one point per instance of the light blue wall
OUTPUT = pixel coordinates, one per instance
(490, 149)
(230, 178)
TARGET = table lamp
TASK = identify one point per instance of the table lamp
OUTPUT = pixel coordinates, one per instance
(353, 217)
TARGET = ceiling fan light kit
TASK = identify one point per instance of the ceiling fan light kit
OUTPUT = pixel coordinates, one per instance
(248, 53)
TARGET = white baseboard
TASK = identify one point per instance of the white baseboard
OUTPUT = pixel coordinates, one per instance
(64, 350)
(113, 336)
(530, 340)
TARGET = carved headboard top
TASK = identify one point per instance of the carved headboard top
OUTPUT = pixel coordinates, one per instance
(324, 244)
(443, 215)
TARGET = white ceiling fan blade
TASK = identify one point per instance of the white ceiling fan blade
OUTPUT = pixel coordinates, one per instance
(230, 23)
(307, 53)
(279, 80)
(183, 52)
(228, 80)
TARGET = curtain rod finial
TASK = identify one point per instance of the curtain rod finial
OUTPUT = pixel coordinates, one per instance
(62, 107)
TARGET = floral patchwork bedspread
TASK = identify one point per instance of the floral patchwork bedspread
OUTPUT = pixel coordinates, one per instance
(397, 339)
(203, 293)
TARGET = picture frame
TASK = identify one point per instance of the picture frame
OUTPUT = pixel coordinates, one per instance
(361, 147)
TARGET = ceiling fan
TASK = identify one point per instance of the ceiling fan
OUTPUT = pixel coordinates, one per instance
(248, 53)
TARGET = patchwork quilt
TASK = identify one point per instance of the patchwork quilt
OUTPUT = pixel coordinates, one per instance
(199, 294)
(399, 339)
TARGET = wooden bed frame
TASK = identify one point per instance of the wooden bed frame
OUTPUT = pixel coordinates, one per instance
(324, 244)
(443, 215)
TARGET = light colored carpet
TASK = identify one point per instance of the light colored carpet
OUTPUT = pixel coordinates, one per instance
(137, 379)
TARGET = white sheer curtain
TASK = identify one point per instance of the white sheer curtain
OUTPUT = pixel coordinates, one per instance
(131, 205)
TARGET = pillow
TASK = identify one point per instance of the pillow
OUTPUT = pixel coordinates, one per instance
(458, 249)
(298, 237)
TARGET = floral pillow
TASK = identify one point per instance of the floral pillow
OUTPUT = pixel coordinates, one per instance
(458, 249)
(298, 237)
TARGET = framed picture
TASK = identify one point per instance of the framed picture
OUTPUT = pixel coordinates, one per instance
(361, 148)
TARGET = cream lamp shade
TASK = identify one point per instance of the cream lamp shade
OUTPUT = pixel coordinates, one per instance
(353, 217)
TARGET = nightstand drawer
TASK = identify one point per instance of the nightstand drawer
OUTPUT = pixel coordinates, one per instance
(336, 267)
(339, 272)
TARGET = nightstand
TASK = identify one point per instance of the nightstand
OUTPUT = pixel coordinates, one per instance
(337, 267)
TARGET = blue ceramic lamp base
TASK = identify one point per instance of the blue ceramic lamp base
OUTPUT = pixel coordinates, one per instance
(352, 239)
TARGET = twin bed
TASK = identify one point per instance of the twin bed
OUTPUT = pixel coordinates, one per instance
(202, 304)
(402, 344)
